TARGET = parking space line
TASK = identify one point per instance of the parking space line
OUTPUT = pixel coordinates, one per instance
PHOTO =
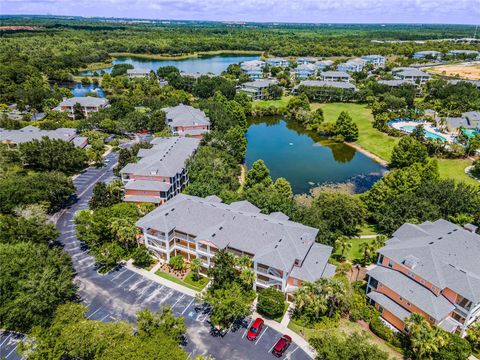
(289, 356)
(246, 330)
(176, 302)
(10, 353)
(119, 274)
(104, 317)
(261, 335)
(183, 312)
(124, 281)
(89, 316)
(5, 339)
(169, 294)
(269, 350)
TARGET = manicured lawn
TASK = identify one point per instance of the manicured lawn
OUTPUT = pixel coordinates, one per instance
(369, 138)
(347, 327)
(455, 169)
(354, 253)
(367, 229)
(266, 103)
(188, 282)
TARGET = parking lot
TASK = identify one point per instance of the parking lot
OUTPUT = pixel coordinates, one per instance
(8, 345)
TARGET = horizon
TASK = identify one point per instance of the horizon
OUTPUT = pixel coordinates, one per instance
(431, 12)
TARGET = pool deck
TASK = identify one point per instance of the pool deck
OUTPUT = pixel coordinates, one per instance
(449, 137)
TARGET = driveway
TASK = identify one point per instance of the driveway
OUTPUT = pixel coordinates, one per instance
(119, 294)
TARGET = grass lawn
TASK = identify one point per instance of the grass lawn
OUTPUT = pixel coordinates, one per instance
(188, 282)
(266, 103)
(354, 253)
(367, 229)
(347, 327)
(455, 169)
(369, 138)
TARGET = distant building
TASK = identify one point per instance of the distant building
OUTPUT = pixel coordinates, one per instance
(185, 120)
(411, 74)
(160, 173)
(89, 104)
(468, 53)
(280, 62)
(395, 83)
(30, 133)
(375, 60)
(473, 82)
(431, 269)
(284, 253)
(304, 71)
(335, 76)
(256, 89)
(428, 54)
(137, 73)
(469, 120)
(306, 60)
(354, 65)
(328, 88)
(323, 64)
(253, 68)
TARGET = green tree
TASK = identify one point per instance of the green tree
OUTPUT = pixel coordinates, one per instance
(108, 256)
(78, 113)
(424, 341)
(124, 231)
(345, 127)
(473, 335)
(258, 175)
(19, 229)
(195, 266)
(223, 271)
(407, 152)
(141, 257)
(149, 322)
(344, 244)
(176, 262)
(271, 302)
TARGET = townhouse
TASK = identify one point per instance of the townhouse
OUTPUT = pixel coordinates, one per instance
(160, 172)
(284, 253)
(306, 60)
(375, 60)
(469, 120)
(432, 269)
(470, 54)
(30, 133)
(304, 71)
(137, 73)
(414, 75)
(353, 65)
(323, 64)
(185, 120)
(395, 82)
(257, 90)
(253, 68)
(88, 104)
(335, 76)
(344, 91)
(279, 62)
(427, 54)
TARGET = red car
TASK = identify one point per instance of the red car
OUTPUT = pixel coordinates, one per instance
(255, 329)
(282, 345)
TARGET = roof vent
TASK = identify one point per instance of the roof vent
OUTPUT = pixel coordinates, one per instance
(276, 246)
(440, 238)
(431, 243)
(220, 228)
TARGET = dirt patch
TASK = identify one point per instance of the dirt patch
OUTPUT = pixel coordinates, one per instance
(470, 71)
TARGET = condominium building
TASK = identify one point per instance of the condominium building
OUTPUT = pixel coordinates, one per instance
(279, 62)
(427, 54)
(375, 60)
(284, 253)
(160, 172)
(414, 75)
(432, 269)
(185, 120)
(256, 90)
(304, 71)
(253, 68)
(335, 76)
(353, 65)
(30, 133)
(88, 104)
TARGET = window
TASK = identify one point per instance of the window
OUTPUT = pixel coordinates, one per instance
(390, 263)
(401, 298)
(431, 319)
(373, 282)
(380, 309)
(295, 282)
(408, 304)
(380, 259)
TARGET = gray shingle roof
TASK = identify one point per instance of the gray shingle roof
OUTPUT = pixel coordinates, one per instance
(315, 264)
(167, 157)
(29, 133)
(240, 225)
(259, 84)
(185, 115)
(409, 72)
(390, 305)
(147, 185)
(142, 198)
(394, 83)
(86, 101)
(448, 255)
(438, 307)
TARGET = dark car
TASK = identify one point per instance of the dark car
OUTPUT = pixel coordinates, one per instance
(282, 345)
(255, 329)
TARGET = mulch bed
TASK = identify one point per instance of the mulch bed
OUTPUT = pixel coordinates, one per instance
(181, 274)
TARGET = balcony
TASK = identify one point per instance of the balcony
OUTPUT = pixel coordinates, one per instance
(268, 283)
(269, 272)
(185, 248)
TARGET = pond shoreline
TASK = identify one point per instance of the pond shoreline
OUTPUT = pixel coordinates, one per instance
(369, 154)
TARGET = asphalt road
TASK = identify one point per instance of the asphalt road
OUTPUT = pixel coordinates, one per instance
(119, 294)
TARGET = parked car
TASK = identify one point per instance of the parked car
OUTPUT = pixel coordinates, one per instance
(255, 329)
(281, 346)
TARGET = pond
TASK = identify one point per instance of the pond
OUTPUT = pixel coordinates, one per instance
(306, 159)
(204, 64)
(80, 90)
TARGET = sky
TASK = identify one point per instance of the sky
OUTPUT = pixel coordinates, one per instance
(312, 11)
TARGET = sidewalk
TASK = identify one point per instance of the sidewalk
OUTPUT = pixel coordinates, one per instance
(151, 276)
(281, 328)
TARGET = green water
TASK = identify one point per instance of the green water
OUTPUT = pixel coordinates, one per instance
(307, 160)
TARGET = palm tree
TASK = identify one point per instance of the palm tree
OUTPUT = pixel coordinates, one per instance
(380, 241)
(124, 231)
(248, 277)
(344, 244)
(195, 265)
(244, 262)
(425, 340)
(368, 250)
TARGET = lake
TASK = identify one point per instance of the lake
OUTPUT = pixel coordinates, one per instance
(204, 64)
(306, 159)
(80, 90)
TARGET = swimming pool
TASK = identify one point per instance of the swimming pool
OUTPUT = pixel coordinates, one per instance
(428, 134)
(470, 132)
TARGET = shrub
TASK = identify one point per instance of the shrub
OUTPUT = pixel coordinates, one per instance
(141, 257)
(176, 262)
(383, 332)
(271, 302)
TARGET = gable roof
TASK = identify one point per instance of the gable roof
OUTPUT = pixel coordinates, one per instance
(29, 133)
(448, 256)
(185, 115)
(85, 101)
(272, 240)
